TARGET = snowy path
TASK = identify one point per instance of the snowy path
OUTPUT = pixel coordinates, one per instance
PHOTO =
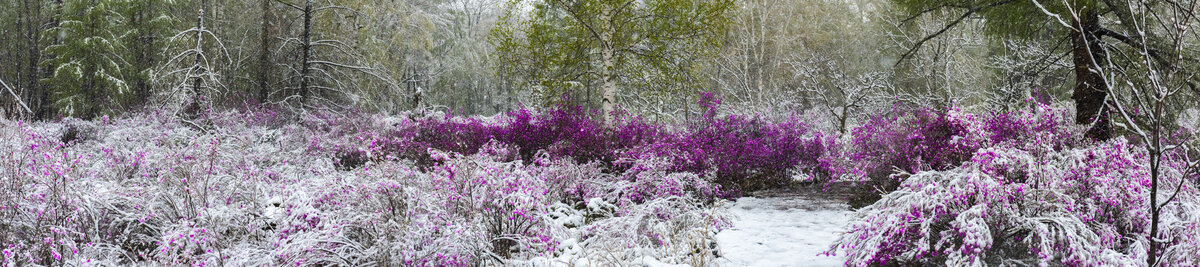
(789, 229)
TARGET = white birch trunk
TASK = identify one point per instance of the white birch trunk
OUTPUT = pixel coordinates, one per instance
(608, 82)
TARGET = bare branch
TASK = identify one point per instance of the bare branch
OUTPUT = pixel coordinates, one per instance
(946, 28)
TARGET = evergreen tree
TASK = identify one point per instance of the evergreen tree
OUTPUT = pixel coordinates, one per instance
(88, 66)
(148, 21)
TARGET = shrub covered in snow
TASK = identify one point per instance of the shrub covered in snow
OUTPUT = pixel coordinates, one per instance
(1026, 203)
(744, 153)
(243, 189)
(911, 141)
(558, 188)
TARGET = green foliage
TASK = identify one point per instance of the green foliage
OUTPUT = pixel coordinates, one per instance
(148, 25)
(103, 51)
(88, 64)
(558, 47)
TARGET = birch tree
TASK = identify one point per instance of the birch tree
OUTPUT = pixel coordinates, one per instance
(564, 45)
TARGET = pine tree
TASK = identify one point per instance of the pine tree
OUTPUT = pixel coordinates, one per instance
(148, 23)
(88, 76)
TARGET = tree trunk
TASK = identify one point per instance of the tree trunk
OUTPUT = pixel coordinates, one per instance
(143, 52)
(608, 85)
(1155, 163)
(1090, 89)
(90, 91)
(414, 86)
(46, 109)
(196, 82)
(90, 87)
(507, 84)
(264, 59)
(29, 84)
(32, 87)
(193, 106)
(306, 46)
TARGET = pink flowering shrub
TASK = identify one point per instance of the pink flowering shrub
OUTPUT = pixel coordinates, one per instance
(1041, 126)
(745, 153)
(39, 225)
(1031, 192)
(911, 141)
(562, 132)
(751, 154)
(1028, 205)
(249, 188)
(229, 189)
(905, 141)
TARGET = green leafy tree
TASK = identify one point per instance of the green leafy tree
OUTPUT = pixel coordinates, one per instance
(88, 64)
(610, 44)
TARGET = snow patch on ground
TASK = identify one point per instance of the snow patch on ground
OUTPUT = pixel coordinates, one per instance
(782, 231)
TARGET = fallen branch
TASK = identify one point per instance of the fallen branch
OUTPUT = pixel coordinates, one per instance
(15, 97)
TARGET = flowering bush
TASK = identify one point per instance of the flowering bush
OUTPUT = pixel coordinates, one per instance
(225, 189)
(1022, 205)
(561, 132)
(1042, 126)
(905, 141)
(744, 153)
(911, 141)
(751, 154)
(556, 187)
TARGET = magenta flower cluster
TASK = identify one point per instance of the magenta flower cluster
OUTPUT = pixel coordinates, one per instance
(744, 153)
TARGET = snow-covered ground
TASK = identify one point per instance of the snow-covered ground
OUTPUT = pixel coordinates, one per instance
(783, 230)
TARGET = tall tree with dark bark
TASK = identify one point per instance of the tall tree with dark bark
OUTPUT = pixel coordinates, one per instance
(24, 24)
(326, 64)
(1091, 21)
(266, 38)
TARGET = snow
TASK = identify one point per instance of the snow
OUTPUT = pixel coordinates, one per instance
(790, 230)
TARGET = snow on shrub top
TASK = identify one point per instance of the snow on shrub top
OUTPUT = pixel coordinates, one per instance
(1013, 205)
(227, 189)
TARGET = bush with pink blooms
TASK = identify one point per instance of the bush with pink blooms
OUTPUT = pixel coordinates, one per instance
(557, 187)
(911, 141)
(744, 153)
(226, 190)
(1031, 193)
